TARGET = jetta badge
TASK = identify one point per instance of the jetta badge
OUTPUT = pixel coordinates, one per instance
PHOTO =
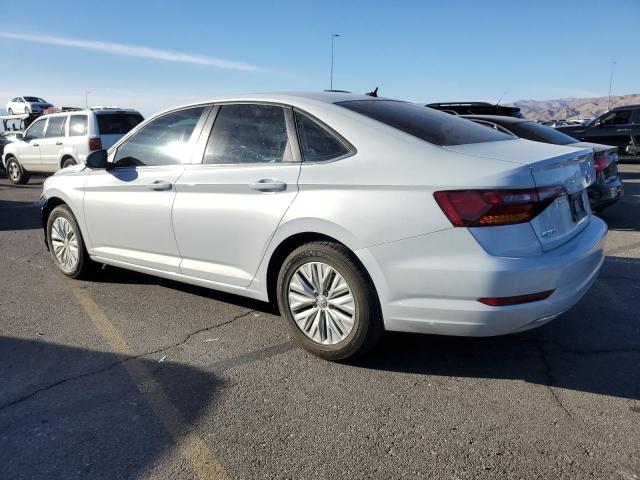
(548, 233)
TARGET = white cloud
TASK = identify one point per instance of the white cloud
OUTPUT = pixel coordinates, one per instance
(132, 51)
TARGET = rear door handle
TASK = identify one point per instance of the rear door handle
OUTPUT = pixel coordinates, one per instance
(35, 144)
(267, 185)
(160, 185)
(58, 143)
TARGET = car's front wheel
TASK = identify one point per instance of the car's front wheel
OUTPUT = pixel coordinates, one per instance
(328, 301)
(15, 172)
(66, 244)
(10, 111)
(26, 110)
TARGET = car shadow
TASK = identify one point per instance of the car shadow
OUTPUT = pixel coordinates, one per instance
(15, 215)
(74, 412)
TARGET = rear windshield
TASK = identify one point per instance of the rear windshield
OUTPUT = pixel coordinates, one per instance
(425, 123)
(541, 133)
(117, 123)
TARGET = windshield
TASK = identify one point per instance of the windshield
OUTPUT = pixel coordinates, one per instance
(117, 123)
(34, 100)
(425, 123)
(541, 133)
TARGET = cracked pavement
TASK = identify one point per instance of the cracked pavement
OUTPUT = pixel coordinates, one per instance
(561, 401)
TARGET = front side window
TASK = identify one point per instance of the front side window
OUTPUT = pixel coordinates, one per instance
(36, 130)
(316, 143)
(619, 117)
(435, 127)
(55, 128)
(163, 141)
(249, 134)
(77, 125)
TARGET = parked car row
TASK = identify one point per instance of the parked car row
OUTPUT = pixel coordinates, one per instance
(353, 214)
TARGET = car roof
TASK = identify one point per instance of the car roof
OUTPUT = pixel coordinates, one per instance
(290, 98)
(625, 107)
(498, 118)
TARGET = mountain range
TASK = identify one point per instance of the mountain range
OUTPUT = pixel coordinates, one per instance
(573, 108)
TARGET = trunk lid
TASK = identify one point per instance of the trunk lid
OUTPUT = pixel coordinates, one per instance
(550, 165)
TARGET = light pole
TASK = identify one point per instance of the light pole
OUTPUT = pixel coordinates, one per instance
(613, 66)
(86, 98)
(333, 37)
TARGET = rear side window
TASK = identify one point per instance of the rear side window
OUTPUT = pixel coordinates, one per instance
(77, 125)
(541, 133)
(427, 124)
(616, 117)
(55, 128)
(316, 143)
(117, 123)
(249, 134)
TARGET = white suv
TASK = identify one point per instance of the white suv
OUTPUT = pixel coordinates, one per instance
(62, 139)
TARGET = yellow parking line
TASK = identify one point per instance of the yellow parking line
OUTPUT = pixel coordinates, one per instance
(191, 447)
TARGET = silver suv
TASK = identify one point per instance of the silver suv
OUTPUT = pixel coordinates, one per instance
(62, 139)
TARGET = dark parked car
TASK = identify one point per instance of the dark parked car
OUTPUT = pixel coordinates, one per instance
(605, 191)
(619, 126)
(476, 108)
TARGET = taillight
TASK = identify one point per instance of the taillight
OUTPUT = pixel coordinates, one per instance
(95, 144)
(518, 299)
(602, 160)
(486, 208)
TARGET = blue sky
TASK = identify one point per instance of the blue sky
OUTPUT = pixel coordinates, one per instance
(154, 54)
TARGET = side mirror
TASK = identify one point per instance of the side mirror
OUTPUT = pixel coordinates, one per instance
(97, 160)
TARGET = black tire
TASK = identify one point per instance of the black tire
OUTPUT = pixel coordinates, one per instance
(15, 173)
(84, 266)
(68, 162)
(10, 111)
(367, 319)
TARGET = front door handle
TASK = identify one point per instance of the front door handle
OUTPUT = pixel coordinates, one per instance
(35, 144)
(268, 185)
(58, 143)
(160, 185)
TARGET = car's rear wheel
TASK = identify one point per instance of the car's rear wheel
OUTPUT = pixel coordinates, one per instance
(68, 162)
(328, 301)
(15, 172)
(66, 244)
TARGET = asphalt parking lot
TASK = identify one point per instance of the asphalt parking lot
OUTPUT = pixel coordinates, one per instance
(130, 376)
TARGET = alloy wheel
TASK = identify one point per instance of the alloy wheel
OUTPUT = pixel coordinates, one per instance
(64, 243)
(321, 303)
(13, 169)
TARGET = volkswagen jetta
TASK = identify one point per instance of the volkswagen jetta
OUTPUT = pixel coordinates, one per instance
(353, 214)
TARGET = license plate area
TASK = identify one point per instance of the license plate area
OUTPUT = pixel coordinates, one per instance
(577, 206)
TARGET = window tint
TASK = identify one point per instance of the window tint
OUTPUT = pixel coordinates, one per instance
(55, 128)
(36, 130)
(316, 143)
(77, 125)
(541, 133)
(619, 117)
(163, 141)
(117, 123)
(427, 124)
(249, 134)
(636, 117)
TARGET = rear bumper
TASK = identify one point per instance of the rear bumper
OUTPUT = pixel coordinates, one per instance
(602, 195)
(430, 284)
